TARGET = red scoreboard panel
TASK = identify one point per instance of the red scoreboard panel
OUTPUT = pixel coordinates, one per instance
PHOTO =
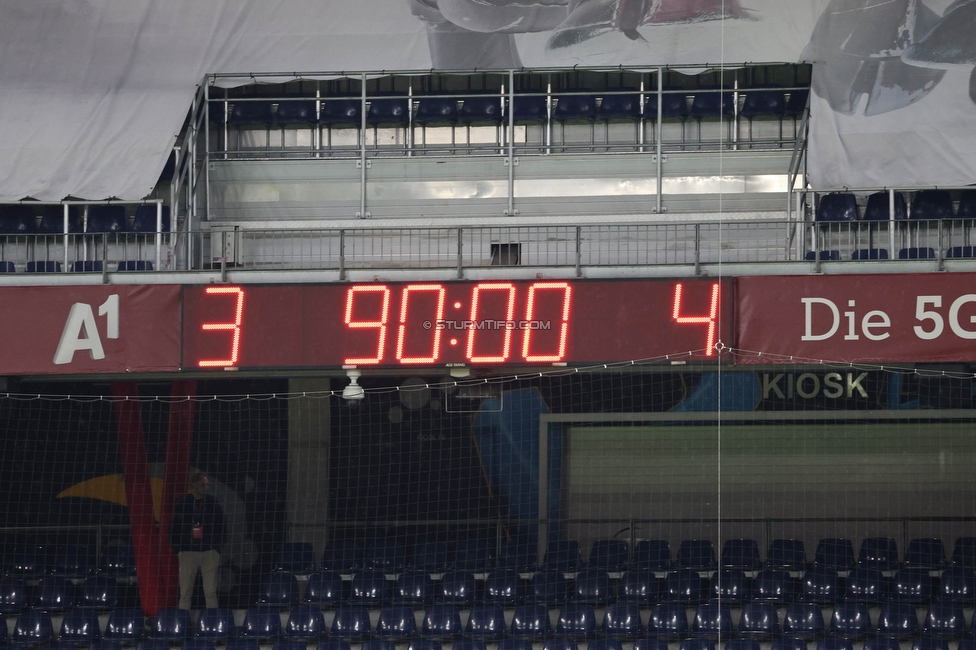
(441, 324)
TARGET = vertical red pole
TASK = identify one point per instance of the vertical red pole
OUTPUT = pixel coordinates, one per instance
(179, 444)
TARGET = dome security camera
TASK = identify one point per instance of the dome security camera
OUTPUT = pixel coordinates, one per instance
(353, 393)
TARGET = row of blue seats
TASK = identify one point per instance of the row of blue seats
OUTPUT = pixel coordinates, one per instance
(20, 219)
(926, 205)
(818, 585)
(921, 643)
(713, 621)
(615, 104)
(58, 594)
(615, 555)
(908, 253)
(85, 266)
(72, 560)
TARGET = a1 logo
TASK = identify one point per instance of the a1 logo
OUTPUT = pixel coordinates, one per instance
(81, 330)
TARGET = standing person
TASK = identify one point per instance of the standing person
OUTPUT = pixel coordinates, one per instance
(197, 533)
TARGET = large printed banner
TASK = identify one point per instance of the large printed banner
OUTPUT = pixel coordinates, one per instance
(866, 318)
(89, 329)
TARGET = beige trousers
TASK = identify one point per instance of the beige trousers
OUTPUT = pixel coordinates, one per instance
(206, 562)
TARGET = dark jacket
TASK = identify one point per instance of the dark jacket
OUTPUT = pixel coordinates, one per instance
(189, 513)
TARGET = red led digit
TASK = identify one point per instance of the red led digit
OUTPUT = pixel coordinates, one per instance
(710, 319)
(378, 325)
(235, 327)
(509, 315)
(563, 325)
(435, 350)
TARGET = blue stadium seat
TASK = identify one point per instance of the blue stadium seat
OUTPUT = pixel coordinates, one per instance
(581, 106)
(279, 590)
(741, 554)
(609, 555)
(529, 109)
(742, 644)
(245, 644)
(118, 561)
(640, 587)
(413, 588)
(52, 220)
(804, 621)
(917, 253)
(333, 644)
(463, 644)
(712, 621)
(430, 557)
(216, 624)
(379, 645)
(697, 554)
(697, 644)
(730, 585)
(43, 267)
(199, 644)
(968, 643)
(881, 643)
(759, 620)
(441, 622)
(351, 624)
(17, 220)
(562, 556)
(879, 553)
(773, 585)
(967, 205)
(652, 555)
(622, 621)
(898, 620)
(870, 254)
(547, 588)
(831, 255)
(86, 266)
(475, 110)
(54, 594)
(474, 556)
(960, 252)
(134, 265)
(396, 624)
(503, 587)
(387, 555)
(930, 643)
(289, 644)
(390, 109)
(668, 621)
(763, 102)
(7, 267)
(79, 625)
(789, 643)
(486, 622)
(369, 588)
(324, 589)
(431, 644)
(944, 621)
(788, 554)
(797, 102)
(931, 204)
(340, 110)
(100, 592)
(835, 553)
(295, 111)
(964, 552)
(576, 621)
(958, 585)
(605, 644)
(433, 110)
(261, 622)
(73, 560)
(250, 113)
(107, 219)
(837, 206)
(33, 627)
(530, 622)
(125, 625)
(592, 586)
(866, 586)
(295, 557)
(306, 623)
(171, 624)
(820, 585)
(674, 104)
(515, 644)
(456, 588)
(912, 586)
(620, 104)
(342, 556)
(13, 595)
(684, 586)
(835, 643)
(877, 208)
(651, 644)
(712, 103)
(560, 644)
(850, 621)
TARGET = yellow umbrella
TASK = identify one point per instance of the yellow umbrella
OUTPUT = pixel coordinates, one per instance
(111, 488)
